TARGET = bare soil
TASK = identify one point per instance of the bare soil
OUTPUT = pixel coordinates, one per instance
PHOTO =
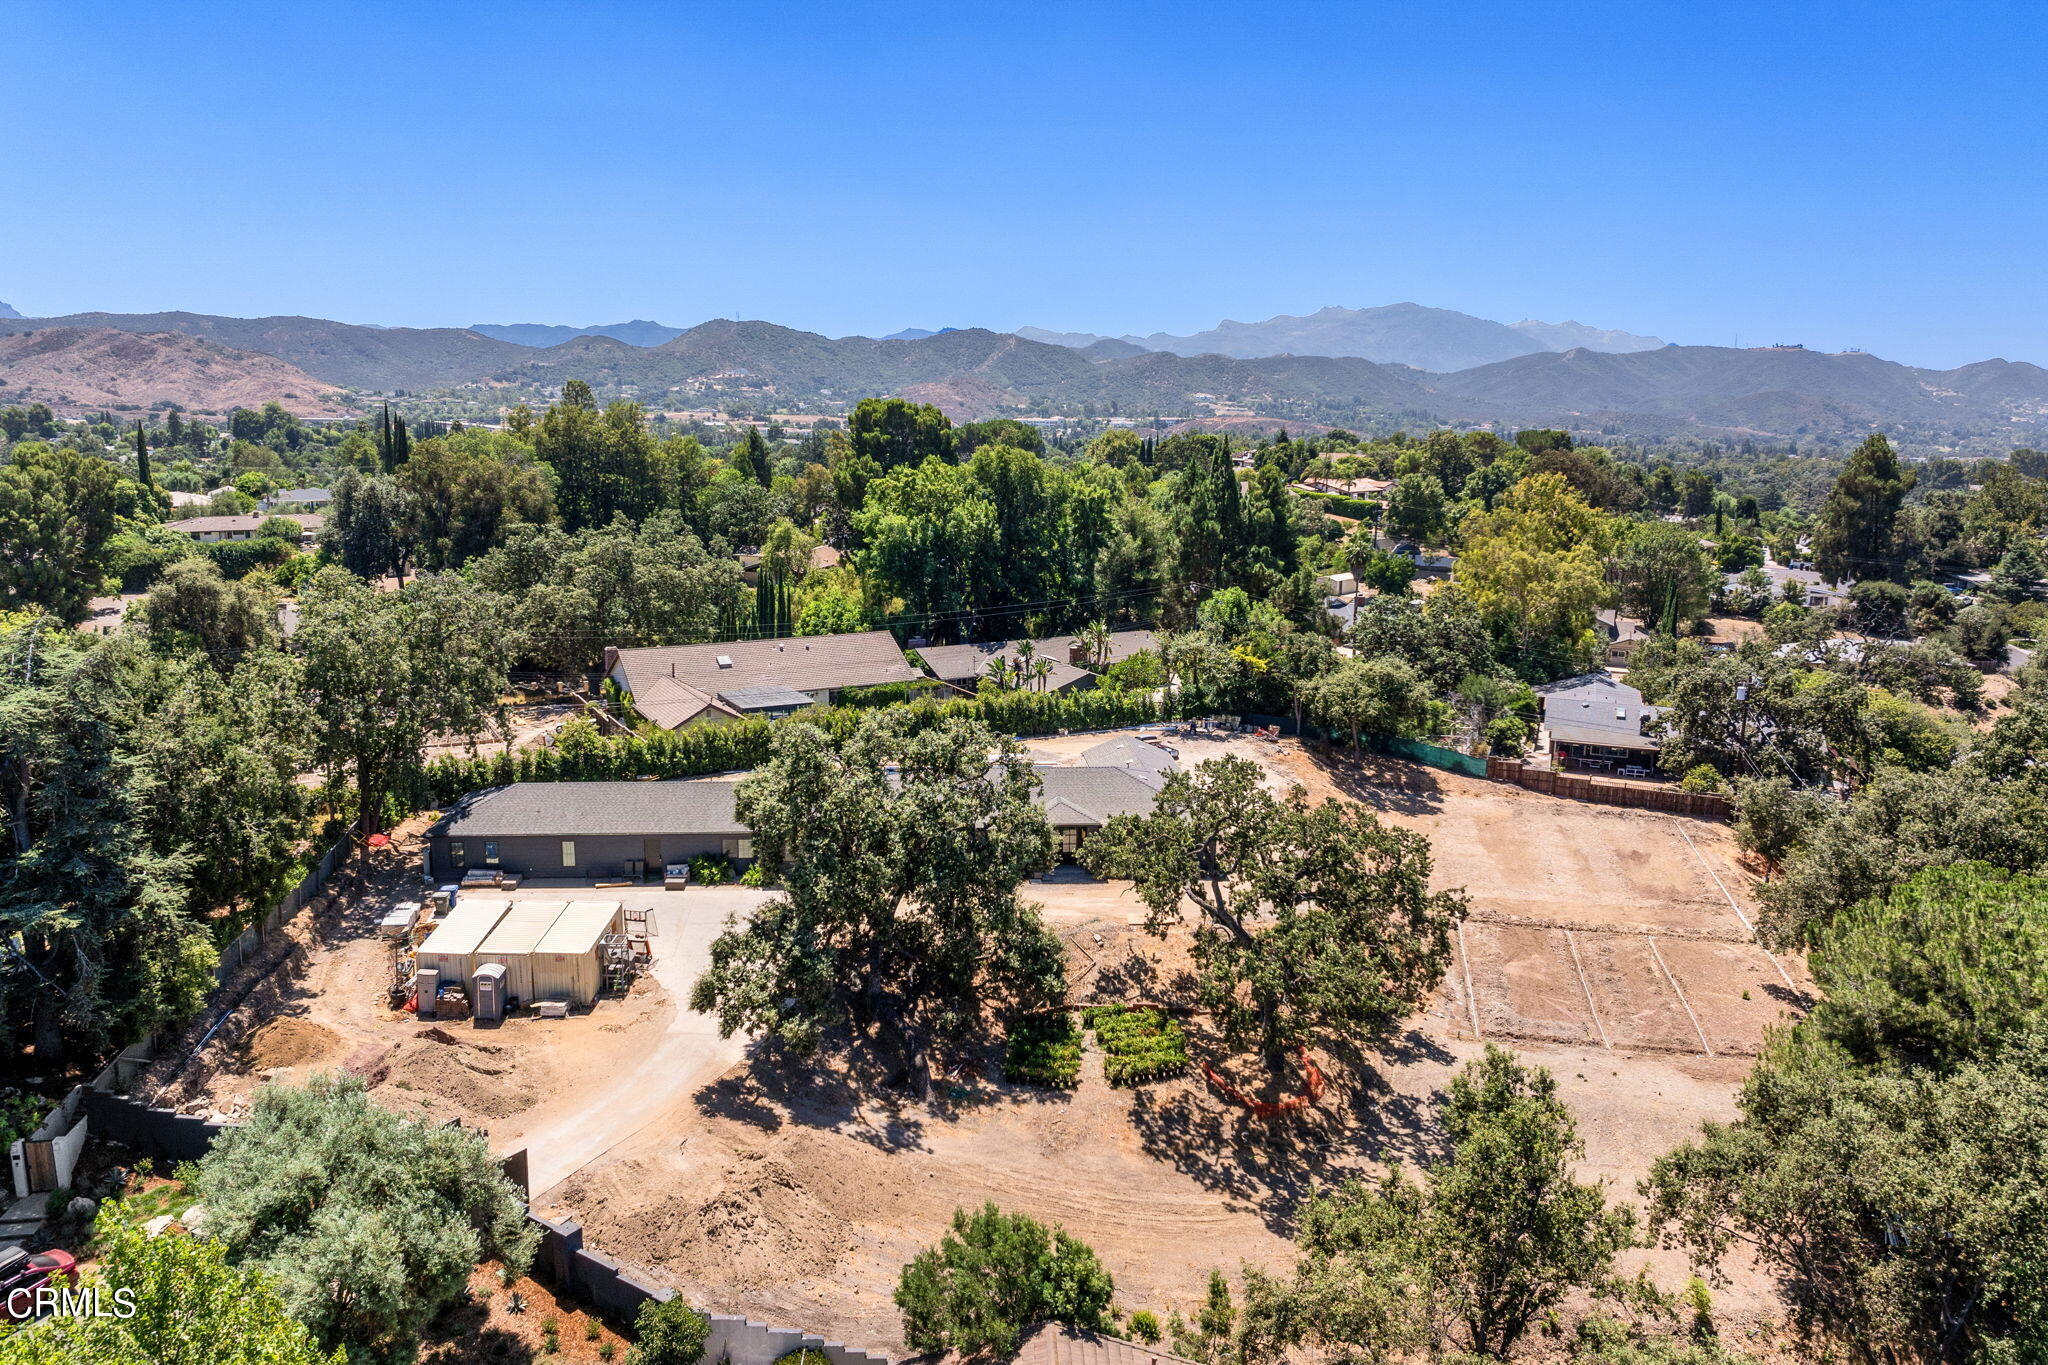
(1609, 945)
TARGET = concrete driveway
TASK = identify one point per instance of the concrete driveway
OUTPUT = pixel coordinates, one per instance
(688, 1053)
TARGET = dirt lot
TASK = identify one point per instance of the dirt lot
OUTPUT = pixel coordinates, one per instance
(1609, 945)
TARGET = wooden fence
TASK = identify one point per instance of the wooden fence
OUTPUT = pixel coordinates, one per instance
(1577, 788)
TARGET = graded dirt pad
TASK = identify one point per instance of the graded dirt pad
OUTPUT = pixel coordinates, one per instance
(1736, 989)
(290, 1042)
(1526, 984)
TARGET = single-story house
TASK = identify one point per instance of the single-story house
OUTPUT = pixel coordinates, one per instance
(583, 830)
(1148, 762)
(298, 497)
(1338, 584)
(211, 529)
(1079, 801)
(822, 557)
(1597, 723)
(1813, 590)
(587, 829)
(680, 685)
(964, 665)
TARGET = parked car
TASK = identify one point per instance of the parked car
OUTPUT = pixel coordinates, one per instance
(23, 1272)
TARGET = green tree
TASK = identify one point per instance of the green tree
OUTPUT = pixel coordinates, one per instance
(1535, 567)
(899, 915)
(750, 456)
(1663, 575)
(1857, 536)
(605, 463)
(57, 513)
(369, 1222)
(190, 1307)
(92, 897)
(1310, 919)
(994, 1275)
(191, 605)
(1375, 696)
(384, 671)
(890, 432)
(1417, 509)
(1487, 1242)
(372, 527)
(467, 490)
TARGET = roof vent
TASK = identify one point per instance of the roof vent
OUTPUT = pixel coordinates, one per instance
(725, 661)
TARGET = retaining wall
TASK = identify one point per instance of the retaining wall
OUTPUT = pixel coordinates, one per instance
(1577, 788)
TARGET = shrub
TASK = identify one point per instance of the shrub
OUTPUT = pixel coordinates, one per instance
(1144, 1325)
(756, 876)
(994, 1275)
(710, 869)
(1044, 1049)
(1702, 780)
(671, 1333)
(804, 1355)
(1142, 1044)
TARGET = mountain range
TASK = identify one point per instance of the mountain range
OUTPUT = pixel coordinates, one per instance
(1397, 334)
(638, 332)
(6, 311)
(1772, 395)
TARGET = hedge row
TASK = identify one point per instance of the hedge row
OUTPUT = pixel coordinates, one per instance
(706, 749)
(1338, 504)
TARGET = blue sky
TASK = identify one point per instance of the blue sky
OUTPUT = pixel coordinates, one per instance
(1835, 174)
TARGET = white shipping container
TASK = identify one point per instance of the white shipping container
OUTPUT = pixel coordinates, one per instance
(451, 948)
(511, 943)
(564, 962)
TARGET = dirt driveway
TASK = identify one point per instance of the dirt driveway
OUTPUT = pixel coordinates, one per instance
(561, 1139)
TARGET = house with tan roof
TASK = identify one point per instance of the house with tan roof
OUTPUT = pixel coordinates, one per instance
(681, 685)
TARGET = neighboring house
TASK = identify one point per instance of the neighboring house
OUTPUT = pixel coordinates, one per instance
(212, 529)
(964, 665)
(1079, 801)
(822, 557)
(1339, 584)
(179, 499)
(587, 829)
(1056, 1343)
(245, 527)
(298, 497)
(1148, 762)
(1350, 488)
(1814, 591)
(1623, 637)
(1597, 724)
(679, 685)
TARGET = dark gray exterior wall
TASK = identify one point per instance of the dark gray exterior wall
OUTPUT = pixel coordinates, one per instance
(532, 855)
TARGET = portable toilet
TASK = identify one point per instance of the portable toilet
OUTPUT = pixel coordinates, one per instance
(510, 944)
(427, 985)
(451, 948)
(487, 992)
(565, 961)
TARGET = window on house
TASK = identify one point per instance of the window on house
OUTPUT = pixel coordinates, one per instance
(739, 848)
(491, 852)
(457, 854)
(1070, 840)
(568, 853)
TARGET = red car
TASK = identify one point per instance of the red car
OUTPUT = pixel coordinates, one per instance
(22, 1273)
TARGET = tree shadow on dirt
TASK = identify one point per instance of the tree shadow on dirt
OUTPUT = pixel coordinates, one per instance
(843, 1086)
(1381, 783)
(1270, 1166)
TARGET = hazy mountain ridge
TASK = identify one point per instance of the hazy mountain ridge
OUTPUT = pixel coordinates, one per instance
(7, 311)
(638, 332)
(1714, 392)
(1426, 338)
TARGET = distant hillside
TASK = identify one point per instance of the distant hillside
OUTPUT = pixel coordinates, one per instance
(916, 333)
(638, 332)
(76, 369)
(8, 312)
(341, 353)
(1110, 348)
(1569, 336)
(1781, 391)
(1397, 334)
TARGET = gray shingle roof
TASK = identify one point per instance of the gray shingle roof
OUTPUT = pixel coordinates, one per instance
(567, 809)
(1088, 797)
(811, 663)
(965, 663)
(1129, 754)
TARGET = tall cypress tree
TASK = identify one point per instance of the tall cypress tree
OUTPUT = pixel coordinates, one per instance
(384, 440)
(142, 455)
(401, 443)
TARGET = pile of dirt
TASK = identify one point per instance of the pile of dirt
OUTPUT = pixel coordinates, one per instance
(469, 1081)
(288, 1042)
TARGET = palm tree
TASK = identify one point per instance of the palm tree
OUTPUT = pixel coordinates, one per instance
(1093, 642)
(1024, 653)
(1041, 671)
(999, 673)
